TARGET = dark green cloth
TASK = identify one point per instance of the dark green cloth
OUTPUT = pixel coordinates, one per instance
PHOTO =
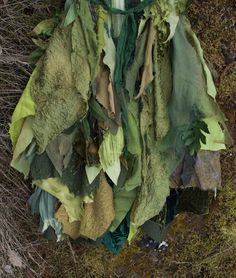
(116, 240)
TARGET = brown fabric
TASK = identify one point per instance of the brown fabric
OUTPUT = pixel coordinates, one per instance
(208, 170)
(147, 76)
(71, 229)
(206, 175)
(104, 89)
(99, 214)
(97, 217)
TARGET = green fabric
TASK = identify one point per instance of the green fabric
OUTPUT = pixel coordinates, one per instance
(125, 46)
(75, 178)
(20, 161)
(111, 148)
(24, 109)
(90, 37)
(70, 12)
(72, 175)
(123, 201)
(154, 230)
(215, 139)
(133, 70)
(121, 91)
(115, 240)
(73, 204)
(61, 89)
(44, 204)
(162, 89)
(154, 189)
(99, 114)
(133, 140)
(42, 167)
(189, 94)
(60, 150)
(134, 178)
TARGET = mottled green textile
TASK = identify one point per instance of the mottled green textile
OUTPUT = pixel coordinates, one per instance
(162, 89)
(42, 167)
(61, 87)
(118, 126)
(155, 179)
(189, 100)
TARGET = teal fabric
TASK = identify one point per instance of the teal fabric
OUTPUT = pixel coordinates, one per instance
(44, 204)
(114, 241)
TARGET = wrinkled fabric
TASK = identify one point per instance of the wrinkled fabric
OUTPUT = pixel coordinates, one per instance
(115, 240)
(60, 150)
(99, 214)
(147, 76)
(20, 161)
(202, 171)
(97, 217)
(208, 170)
(44, 204)
(111, 148)
(189, 100)
(60, 91)
(104, 90)
(73, 204)
(118, 125)
(155, 179)
(24, 109)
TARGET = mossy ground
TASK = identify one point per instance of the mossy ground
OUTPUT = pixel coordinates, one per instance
(199, 246)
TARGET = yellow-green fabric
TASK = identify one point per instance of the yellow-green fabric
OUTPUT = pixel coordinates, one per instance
(73, 204)
(24, 109)
(19, 160)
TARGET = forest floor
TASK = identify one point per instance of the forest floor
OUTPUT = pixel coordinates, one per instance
(198, 246)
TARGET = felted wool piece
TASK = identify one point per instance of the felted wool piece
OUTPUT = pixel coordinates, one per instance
(61, 90)
(162, 89)
(154, 189)
(71, 229)
(99, 214)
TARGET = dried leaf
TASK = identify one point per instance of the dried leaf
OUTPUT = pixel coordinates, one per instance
(15, 259)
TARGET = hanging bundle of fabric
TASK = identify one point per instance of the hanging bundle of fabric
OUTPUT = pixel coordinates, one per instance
(118, 126)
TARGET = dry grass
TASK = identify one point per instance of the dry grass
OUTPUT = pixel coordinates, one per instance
(18, 230)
